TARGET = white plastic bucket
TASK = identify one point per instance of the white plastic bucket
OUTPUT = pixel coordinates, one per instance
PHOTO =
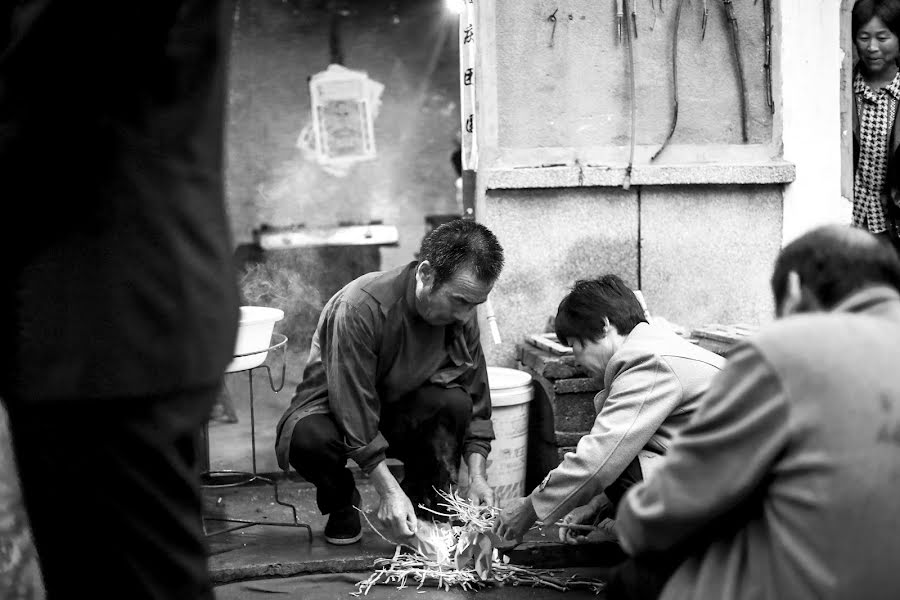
(511, 393)
(254, 333)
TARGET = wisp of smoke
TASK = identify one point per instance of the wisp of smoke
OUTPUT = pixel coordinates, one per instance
(277, 286)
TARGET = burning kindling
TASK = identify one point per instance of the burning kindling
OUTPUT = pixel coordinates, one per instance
(460, 553)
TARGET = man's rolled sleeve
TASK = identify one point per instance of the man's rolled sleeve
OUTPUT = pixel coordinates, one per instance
(716, 462)
(478, 438)
(350, 364)
(371, 454)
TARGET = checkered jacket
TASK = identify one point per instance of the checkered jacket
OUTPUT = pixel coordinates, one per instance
(891, 193)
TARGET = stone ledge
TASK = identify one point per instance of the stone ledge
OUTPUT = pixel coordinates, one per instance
(573, 412)
(775, 172)
(549, 365)
(578, 385)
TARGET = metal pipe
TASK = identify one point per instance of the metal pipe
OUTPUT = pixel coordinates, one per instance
(492, 321)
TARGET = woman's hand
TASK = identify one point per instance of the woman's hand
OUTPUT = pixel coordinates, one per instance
(515, 519)
(583, 515)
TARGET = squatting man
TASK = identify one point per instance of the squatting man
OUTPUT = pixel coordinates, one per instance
(395, 368)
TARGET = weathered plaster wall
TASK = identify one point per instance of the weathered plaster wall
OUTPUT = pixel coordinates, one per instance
(705, 256)
(699, 230)
(551, 238)
(410, 47)
(575, 93)
(707, 252)
(811, 59)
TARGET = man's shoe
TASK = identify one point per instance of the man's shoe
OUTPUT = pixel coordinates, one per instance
(343, 525)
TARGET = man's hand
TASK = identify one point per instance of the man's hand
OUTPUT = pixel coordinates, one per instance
(396, 511)
(480, 493)
(515, 519)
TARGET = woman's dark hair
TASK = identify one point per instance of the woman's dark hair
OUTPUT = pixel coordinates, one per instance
(886, 10)
(581, 312)
(834, 261)
(462, 243)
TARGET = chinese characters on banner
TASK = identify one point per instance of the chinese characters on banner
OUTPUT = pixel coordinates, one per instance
(467, 64)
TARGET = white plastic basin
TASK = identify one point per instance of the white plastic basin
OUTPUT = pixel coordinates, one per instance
(254, 336)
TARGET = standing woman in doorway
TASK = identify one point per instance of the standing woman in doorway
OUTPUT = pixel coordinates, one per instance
(876, 132)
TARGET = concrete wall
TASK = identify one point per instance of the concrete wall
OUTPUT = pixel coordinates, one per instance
(410, 47)
(550, 238)
(699, 254)
(817, 139)
(699, 229)
(575, 93)
(707, 252)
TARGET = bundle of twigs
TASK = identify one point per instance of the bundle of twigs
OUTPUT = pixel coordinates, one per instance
(480, 518)
(472, 563)
(506, 574)
(407, 569)
(404, 570)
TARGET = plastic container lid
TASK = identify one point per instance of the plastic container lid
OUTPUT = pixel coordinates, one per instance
(260, 314)
(509, 387)
(501, 378)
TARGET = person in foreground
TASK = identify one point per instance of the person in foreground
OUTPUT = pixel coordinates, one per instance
(396, 367)
(119, 319)
(652, 382)
(784, 484)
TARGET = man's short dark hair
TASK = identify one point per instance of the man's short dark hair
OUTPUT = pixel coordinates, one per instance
(834, 261)
(581, 312)
(462, 243)
(888, 11)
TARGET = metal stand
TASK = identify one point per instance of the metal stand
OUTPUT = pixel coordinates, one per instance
(232, 478)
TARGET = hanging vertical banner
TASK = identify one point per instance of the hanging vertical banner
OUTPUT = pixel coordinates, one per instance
(467, 74)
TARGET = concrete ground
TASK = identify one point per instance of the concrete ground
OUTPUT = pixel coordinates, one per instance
(342, 585)
(230, 442)
(265, 557)
(274, 559)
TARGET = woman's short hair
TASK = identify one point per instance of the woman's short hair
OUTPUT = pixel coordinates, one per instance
(886, 10)
(582, 312)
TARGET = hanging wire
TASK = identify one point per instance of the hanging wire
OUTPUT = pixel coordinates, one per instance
(674, 120)
(629, 52)
(335, 49)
